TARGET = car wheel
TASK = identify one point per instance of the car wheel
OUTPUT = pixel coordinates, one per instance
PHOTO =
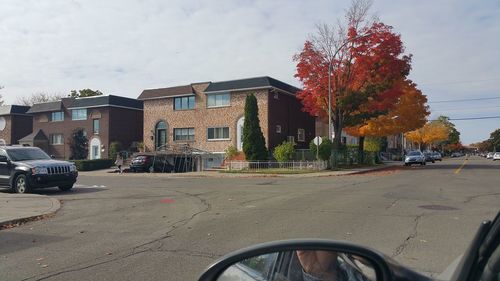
(21, 184)
(65, 187)
(433, 161)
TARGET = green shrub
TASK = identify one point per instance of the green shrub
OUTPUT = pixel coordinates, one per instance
(231, 152)
(372, 144)
(91, 165)
(284, 152)
(325, 149)
(114, 148)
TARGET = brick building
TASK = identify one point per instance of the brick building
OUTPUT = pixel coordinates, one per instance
(15, 123)
(209, 116)
(105, 119)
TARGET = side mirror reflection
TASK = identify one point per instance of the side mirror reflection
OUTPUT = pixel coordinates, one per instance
(302, 265)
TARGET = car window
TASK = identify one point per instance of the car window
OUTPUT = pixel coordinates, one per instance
(414, 153)
(27, 154)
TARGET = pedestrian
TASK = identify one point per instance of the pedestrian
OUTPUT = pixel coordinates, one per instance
(119, 162)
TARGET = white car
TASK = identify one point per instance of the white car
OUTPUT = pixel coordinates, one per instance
(489, 155)
(496, 156)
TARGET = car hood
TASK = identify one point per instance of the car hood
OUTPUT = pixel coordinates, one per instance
(42, 163)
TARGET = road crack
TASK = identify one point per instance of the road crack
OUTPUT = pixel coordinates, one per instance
(145, 247)
(399, 249)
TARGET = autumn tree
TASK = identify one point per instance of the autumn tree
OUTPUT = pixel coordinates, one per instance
(430, 133)
(84, 93)
(38, 98)
(408, 113)
(365, 59)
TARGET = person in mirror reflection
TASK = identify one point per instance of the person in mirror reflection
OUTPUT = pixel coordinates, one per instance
(119, 162)
(326, 266)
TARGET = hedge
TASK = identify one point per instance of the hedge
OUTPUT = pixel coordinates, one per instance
(91, 165)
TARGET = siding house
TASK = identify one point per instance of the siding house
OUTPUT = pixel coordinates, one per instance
(104, 119)
(210, 116)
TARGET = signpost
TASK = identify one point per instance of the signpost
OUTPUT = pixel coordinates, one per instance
(317, 141)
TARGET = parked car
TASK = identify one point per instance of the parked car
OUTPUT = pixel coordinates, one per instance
(456, 154)
(141, 163)
(428, 156)
(437, 156)
(25, 168)
(489, 155)
(496, 156)
(415, 157)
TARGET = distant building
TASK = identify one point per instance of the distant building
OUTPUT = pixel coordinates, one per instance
(15, 123)
(322, 131)
(104, 119)
(210, 116)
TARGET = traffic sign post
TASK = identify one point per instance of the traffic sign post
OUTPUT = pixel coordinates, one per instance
(317, 141)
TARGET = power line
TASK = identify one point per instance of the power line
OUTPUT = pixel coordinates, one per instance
(462, 100)
(459, 82)
(471, 118)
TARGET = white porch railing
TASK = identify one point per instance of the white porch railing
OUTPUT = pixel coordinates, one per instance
(264, 165)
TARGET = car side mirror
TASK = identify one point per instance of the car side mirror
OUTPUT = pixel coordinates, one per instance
(312, 259)
(52, 156)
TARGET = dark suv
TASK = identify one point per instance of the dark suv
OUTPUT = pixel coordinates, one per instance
(25, 168)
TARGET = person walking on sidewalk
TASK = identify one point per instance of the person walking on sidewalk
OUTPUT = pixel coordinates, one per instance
(119, 162)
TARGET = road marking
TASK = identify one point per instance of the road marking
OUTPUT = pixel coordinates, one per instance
(460, 168)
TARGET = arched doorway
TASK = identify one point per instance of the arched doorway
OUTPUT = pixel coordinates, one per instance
(239, 133)
(160, 135)
(95, 148)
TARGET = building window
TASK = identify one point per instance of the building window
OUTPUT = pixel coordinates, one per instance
(96, 125)
(183, 103)
(79, 114)
(56, 139)
(57, 116)
(184, 134)
(301, 135)
(216, 100)
(291, 139)
(221, 133)
(278, 129)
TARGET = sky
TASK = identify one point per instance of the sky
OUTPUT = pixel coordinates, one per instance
(122, 47)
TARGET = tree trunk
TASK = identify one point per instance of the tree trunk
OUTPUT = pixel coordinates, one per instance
(361, 148)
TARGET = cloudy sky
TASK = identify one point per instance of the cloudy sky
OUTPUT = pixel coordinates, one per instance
(122, 47)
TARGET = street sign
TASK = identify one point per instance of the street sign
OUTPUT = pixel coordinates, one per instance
(317, 140)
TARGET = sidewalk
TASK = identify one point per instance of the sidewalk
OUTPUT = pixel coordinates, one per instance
(15, 208)
(218, 174)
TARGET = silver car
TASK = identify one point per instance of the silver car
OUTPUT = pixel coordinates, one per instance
(437, 156)
(414, 157)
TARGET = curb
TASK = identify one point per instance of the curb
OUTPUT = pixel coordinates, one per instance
(56, 205)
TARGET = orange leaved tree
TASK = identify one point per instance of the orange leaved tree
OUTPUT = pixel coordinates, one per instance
(430, 133)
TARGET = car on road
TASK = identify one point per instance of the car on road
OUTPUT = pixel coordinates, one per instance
(489, 155)
(428, 156)
(320, 259)
(456, 154)
(437, 156)
(141, 163)
(415, 157)
(496, 156)
(25, 168)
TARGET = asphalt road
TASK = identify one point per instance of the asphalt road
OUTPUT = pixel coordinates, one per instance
(125, 227)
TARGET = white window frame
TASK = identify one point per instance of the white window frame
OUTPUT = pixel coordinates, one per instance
(78, 116)
(278, 129)
(219, 128)
(291, 139)
(301, 135)
(52, 116)
(218, 105)
(60, 139)
(94, 131)
(187, 135)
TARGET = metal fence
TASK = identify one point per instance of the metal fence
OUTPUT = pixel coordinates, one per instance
(266, 165)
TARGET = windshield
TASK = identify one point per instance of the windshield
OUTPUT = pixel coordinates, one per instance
(414, 153)
(23, 154)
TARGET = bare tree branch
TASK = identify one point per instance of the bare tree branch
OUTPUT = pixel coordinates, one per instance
(39, 97)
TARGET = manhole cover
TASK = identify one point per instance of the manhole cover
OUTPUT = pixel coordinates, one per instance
(438, 207)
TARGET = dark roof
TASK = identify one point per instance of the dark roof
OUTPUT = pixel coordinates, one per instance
(13, 109)
(166, 92)
(251, 83)
(45, 107)
(110, 100)
(38, 135)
